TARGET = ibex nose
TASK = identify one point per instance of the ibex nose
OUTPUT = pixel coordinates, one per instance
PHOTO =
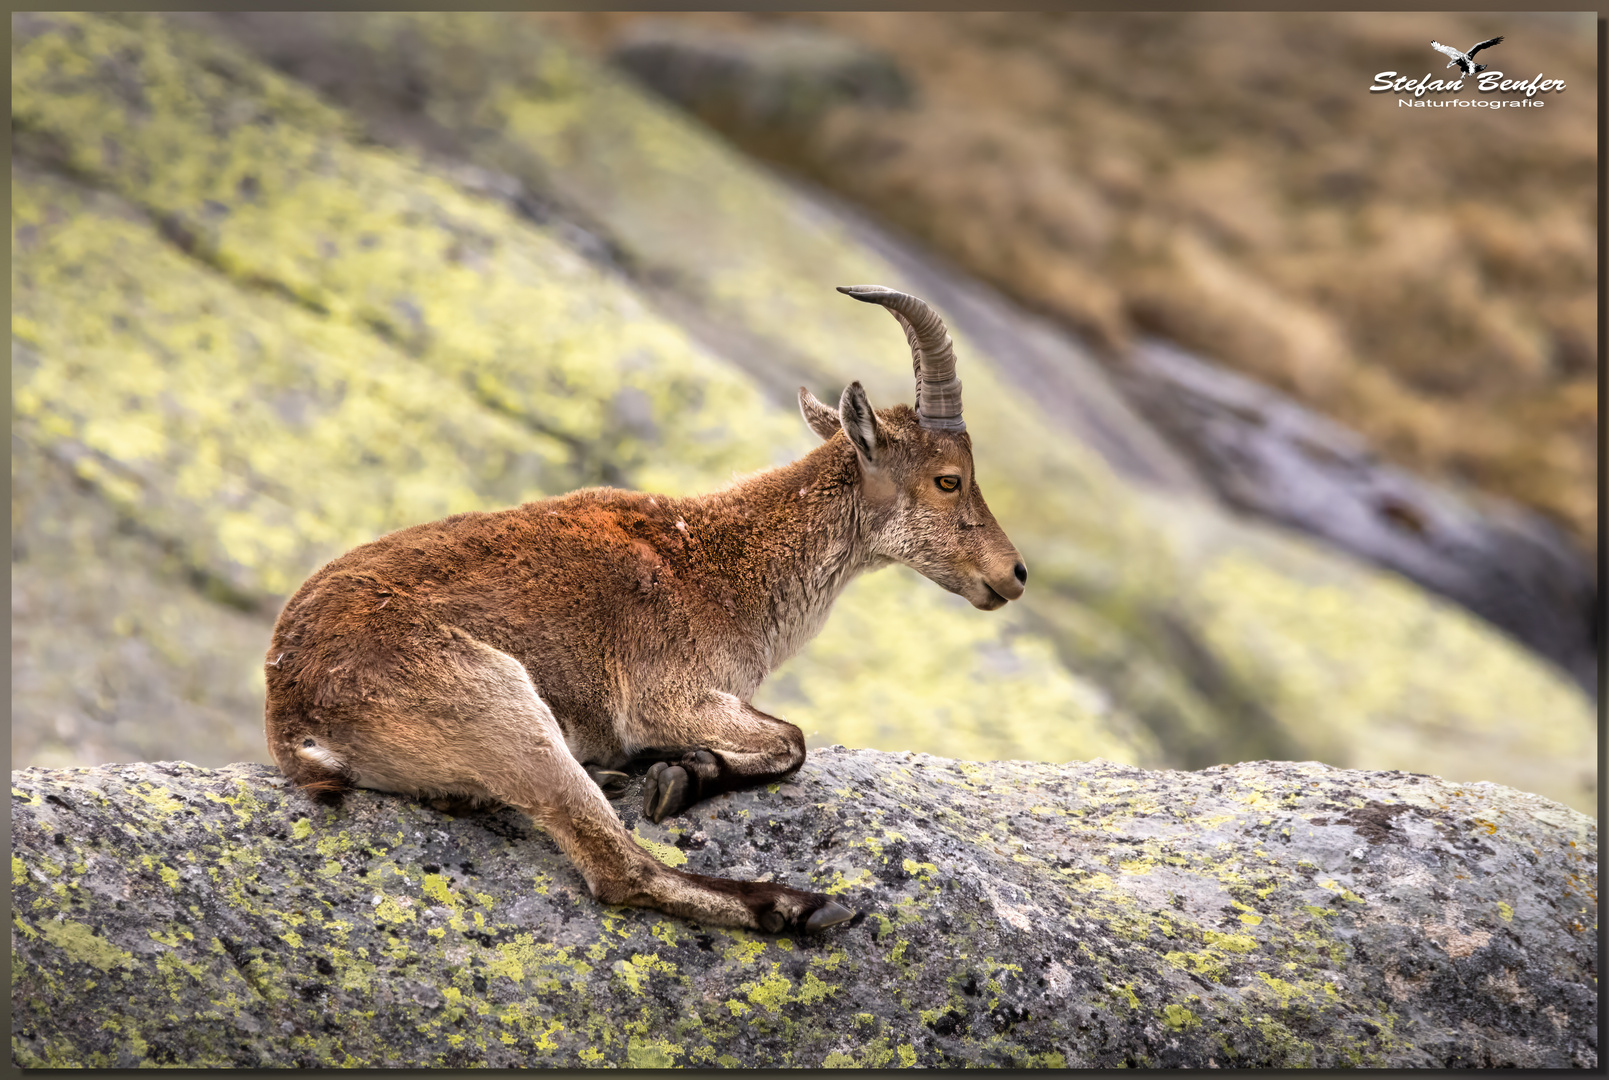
(1001, 588)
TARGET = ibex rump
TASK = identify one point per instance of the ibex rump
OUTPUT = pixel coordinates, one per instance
(526, 656)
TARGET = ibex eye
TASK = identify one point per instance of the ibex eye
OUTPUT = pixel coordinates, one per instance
(947, 483)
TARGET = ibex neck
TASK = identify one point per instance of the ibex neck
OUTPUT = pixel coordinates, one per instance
(804, 532)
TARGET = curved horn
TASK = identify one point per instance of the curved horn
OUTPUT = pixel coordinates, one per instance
(938, 391)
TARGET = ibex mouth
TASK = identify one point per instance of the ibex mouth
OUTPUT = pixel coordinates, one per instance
(999, 591)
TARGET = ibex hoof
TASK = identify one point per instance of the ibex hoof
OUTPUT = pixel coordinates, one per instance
(455, 805)
(612, 783)
(830, 915)
(666, 791)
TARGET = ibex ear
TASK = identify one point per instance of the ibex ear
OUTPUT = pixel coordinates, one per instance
(859, 423)
(823, 419)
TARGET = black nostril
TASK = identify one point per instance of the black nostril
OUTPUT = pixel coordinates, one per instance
(1022, 574)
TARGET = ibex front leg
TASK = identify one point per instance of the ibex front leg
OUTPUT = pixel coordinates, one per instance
(716, 744)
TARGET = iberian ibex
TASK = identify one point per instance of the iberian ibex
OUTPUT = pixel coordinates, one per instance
(525, 657)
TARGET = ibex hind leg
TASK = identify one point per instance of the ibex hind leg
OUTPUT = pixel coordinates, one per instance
(471, 726)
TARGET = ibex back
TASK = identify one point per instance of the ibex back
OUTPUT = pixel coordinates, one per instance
(525, 657)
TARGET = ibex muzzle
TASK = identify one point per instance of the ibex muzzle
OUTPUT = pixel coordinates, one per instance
(527, 657)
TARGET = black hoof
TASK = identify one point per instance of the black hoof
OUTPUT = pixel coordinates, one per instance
(771, 922)
(665, 792)
(830, 915)
(455, 806)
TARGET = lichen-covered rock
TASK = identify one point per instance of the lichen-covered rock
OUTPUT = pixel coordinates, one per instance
(1014, 913)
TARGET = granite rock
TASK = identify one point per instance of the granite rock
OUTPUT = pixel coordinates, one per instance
(1011, 913)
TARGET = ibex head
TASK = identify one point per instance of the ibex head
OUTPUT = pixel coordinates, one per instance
(922, 503)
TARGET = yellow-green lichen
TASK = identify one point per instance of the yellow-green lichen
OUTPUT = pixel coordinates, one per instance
(1179, 1018)
(639, 967)
(669, 854)
(162, 801)
(1340, 890)
(770, 992)
(80, 943)
(651, 1054)
(745, 950)
(1234, 943)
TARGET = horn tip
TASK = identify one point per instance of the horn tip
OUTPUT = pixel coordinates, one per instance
(868, 293)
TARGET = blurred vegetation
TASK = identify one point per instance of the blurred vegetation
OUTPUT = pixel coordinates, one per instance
(1428, 277)
(253, 326)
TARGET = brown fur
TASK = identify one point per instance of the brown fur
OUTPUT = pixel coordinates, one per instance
(491, 656)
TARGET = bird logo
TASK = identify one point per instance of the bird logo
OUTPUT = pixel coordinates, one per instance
(1466, 60)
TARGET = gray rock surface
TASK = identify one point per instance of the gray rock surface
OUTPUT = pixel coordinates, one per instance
(1014, 913)
(139, 634)
(1266, 455)
(785, 76)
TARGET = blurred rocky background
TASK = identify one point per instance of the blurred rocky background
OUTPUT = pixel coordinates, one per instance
(1288, 396)
(1426, 277)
